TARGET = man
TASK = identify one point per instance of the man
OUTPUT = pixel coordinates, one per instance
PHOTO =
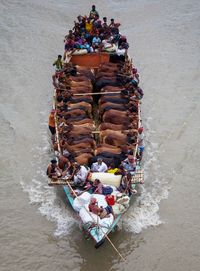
(53, 170)
(79, 175)
(129, 164)
(93, 13)
(99, 166)
(58, 63)
(52, 125)
(100, 211)
(96, 42)
(140, 143)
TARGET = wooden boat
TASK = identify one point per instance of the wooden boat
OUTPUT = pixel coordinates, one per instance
(92, 63)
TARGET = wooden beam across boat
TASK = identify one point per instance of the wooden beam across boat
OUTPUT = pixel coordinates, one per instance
(96, 93)
(56, 182)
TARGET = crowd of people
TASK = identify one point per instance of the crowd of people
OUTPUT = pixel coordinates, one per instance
(92, 34)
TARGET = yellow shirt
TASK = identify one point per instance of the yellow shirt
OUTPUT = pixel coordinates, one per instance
(88, 26)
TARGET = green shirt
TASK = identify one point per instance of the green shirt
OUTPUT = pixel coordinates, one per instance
(58, 64)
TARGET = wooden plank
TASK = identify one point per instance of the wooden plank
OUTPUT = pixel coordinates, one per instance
(96, 93)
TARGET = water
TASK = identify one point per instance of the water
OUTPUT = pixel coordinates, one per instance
(161, 229)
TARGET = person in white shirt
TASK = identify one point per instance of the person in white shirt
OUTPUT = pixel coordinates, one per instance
(80, 175)
(99, 166)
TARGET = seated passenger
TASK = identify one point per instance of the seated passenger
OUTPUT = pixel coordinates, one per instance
(99, 166)
(129, 164)
(53, 170)
(100, 211)
(97, 187)
(79, 175)
(96, 42)
(126, 185)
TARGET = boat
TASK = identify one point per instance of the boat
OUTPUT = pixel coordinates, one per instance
(85, 79)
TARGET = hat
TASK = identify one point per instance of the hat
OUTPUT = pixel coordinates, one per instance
(54, 161)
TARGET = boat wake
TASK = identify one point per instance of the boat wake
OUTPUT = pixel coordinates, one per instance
(40, 194)
(143, 213)
(145, 210)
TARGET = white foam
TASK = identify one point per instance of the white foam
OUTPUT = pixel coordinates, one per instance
(145, 210)
(49, 204)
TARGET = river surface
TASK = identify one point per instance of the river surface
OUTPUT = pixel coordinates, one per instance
(161, 230)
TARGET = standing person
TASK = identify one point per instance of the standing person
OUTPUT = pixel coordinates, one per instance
(99, 166)
(93, 13)
(58, 63)
(52, 126)
(140, 143)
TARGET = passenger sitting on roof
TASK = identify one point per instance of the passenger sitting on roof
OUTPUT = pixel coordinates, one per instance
(58, 63)
(104, 24)
(93, 13)
(100, 211)
(88, 25)
(99, 166)
(96, 42)
(79, 175)
(53, 170)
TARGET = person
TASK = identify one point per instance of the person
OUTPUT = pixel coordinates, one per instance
(51, 124)
(100, 211)
(58, 63)
(97, 187)
(93, 13)
(129, 164)
(88, 25)
(53, 170)
(63, 162)
(79, 175)
(126, 185)
(140, 143)
(99, 166)
(96, 42)
(104, 24)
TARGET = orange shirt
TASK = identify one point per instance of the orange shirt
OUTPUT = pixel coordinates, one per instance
(51, 120)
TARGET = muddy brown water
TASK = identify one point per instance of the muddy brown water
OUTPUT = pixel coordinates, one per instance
(161, 230)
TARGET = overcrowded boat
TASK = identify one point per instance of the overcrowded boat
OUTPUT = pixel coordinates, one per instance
(95, 124)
